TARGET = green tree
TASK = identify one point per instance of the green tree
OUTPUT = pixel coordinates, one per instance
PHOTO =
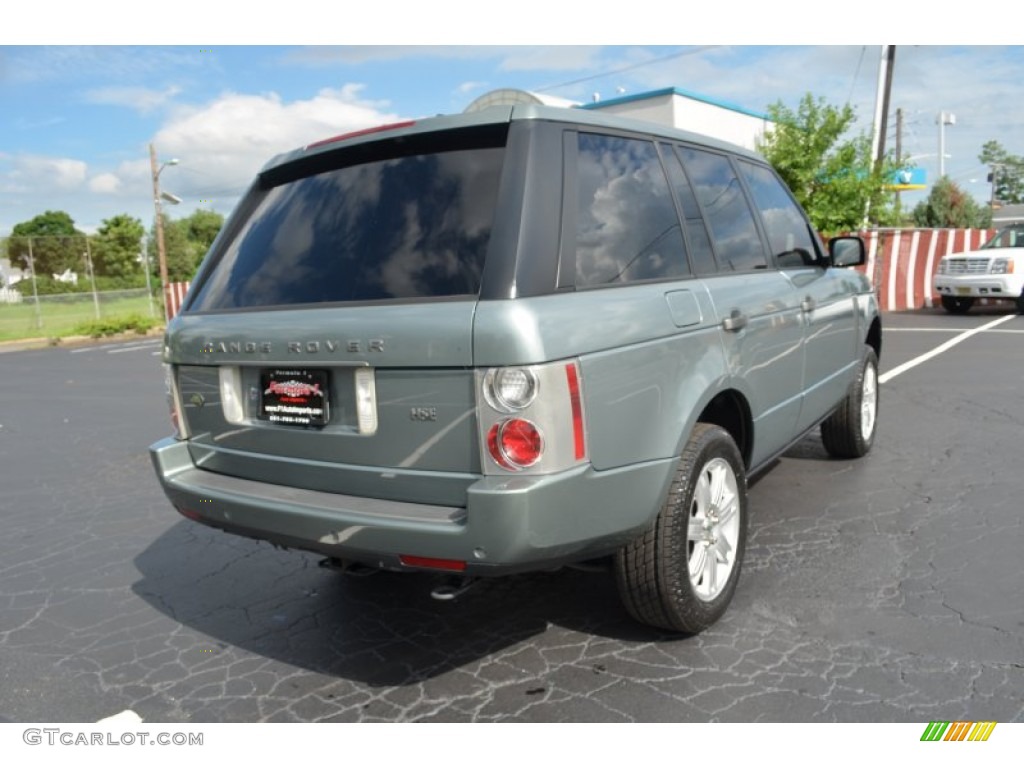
(201, 228)
(1007, 173)
(187, 241)
(55, 244)
(949, 206)
(181, 261)
(831, 174)
(116, 246)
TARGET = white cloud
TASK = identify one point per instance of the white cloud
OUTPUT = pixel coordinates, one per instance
(571, 58)
(42, 173)
(470, 86)
(104, 183)
(223, 144)
(143, 100)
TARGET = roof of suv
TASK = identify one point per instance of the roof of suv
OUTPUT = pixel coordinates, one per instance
(505, 114)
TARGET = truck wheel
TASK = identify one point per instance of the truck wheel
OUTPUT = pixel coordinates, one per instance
(682, 572)
(1020, 303)
(850, 431)
(957, 305)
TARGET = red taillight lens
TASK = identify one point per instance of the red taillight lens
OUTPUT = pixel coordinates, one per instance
(573, 380)
(521, 442)
(515, 443)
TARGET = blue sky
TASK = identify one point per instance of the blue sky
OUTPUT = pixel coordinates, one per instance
(76, 121)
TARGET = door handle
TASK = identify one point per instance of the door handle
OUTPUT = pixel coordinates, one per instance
(735, 321)
(808, 304)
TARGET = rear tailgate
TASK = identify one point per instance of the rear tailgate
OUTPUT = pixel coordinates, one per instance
(327, 341)
(423, 446)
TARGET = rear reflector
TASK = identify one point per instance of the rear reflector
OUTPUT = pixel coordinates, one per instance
(414, 561)
(363, 132)
(572, 377)
(366, 401)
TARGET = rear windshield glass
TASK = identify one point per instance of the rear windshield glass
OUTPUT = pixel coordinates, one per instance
(405, 228)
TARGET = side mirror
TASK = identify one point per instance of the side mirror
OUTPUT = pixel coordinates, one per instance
(847, 251)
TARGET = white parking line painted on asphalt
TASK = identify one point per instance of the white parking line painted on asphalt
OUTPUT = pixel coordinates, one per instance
(890, 375)
(949, 330)
(119, 346)
(92, 348)
(134, 347)
(122, 718)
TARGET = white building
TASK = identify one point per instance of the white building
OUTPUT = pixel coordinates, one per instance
(673, 107)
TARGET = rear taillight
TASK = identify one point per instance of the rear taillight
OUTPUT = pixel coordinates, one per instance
(531, 418)
(515, 444)
(174, 403)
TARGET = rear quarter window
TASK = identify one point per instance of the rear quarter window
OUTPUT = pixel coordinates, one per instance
(410, 227)
(627, 228)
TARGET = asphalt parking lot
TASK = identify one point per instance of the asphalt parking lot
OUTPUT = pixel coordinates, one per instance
(889, 589)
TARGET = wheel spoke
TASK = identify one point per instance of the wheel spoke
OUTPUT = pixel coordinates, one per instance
(727, 509)
(695, 530)
(723, 548)
(702, 495)
(710, 575)
(717, 483)
(698, 561)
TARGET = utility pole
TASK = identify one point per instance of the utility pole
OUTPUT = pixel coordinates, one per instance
(161, 252)
(899, 149)
(887, 67)
(161, 249)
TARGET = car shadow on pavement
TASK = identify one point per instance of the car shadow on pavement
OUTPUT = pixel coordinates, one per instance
(383, 629)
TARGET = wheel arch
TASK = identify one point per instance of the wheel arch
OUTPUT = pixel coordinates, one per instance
(874, 337)
(730, 410)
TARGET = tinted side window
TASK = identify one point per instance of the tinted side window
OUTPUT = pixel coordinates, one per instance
(409, 227)
(702, 257)
(626, 223)
(788, 235)
(737, 243)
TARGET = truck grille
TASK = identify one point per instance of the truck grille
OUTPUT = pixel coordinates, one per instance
(967, 266)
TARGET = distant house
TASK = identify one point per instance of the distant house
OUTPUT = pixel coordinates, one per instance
(9, 274)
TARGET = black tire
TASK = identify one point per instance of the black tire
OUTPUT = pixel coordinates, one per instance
(850, 431)
(957, 305)
(654, 571)
(1020, 303)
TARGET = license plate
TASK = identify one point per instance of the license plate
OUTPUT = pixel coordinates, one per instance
(295, 396)
(964, 291)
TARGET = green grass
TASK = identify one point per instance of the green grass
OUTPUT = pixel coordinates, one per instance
(61, 318)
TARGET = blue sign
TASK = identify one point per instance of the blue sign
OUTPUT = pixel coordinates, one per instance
(908, 178)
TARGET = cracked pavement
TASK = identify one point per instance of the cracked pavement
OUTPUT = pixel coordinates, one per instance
(887, 589)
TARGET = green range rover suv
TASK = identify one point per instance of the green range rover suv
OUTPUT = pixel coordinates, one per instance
(513, 340)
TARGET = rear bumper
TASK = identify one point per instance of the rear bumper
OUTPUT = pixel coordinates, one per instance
(509, 524)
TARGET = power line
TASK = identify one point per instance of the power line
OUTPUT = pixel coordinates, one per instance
(676, 55)
(856, 74)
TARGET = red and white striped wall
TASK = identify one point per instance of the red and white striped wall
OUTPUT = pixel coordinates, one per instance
(901, 262)
(174, 297)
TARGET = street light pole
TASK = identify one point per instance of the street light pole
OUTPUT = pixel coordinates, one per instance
(160, 247)
(944, 119)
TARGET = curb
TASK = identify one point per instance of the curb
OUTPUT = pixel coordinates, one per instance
(21, 345)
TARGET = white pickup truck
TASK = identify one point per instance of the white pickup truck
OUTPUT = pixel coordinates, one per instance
(994, 271)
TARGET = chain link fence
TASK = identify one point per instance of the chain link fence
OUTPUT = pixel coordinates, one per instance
(56, 286)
